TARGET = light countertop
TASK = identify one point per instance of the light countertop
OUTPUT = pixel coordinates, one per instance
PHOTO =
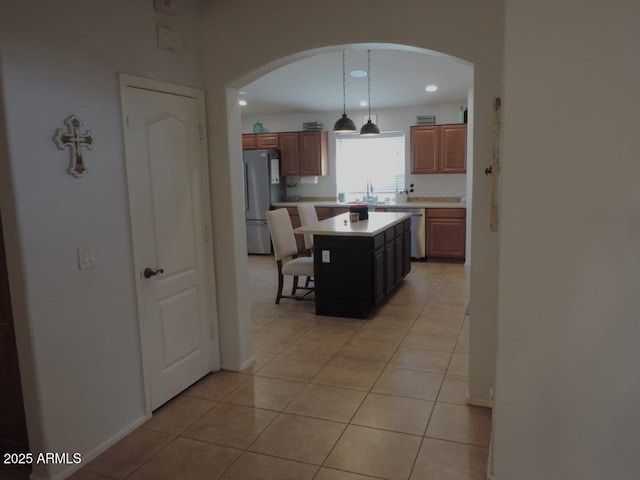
(340, 225)
(381, 205)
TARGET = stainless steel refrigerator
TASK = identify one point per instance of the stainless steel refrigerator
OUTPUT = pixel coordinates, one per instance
(263, 187)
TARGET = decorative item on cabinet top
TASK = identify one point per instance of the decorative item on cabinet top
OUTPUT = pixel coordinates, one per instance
(426, 120)
(312, 126)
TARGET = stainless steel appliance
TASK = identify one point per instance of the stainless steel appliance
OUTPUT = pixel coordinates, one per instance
(263, 187)
(418, 230)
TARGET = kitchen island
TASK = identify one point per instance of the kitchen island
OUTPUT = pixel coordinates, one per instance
(358, 264)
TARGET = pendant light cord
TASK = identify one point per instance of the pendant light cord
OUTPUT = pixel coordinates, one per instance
(344, 87)
(369, 81)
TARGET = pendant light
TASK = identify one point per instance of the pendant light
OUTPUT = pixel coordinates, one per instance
(369, 128)
(344, 124)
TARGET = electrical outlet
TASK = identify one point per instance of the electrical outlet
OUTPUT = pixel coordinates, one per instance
(326, 256)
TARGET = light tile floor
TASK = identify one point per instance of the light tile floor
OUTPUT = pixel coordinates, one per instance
(328, 398)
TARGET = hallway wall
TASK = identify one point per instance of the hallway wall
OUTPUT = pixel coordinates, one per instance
(567, 379)
(77, 330)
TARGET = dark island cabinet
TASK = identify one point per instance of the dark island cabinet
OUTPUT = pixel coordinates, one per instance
(354, 274)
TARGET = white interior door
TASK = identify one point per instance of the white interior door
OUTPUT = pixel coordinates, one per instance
(169, 203)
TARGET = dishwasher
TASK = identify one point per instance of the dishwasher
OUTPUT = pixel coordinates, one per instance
(418, 229)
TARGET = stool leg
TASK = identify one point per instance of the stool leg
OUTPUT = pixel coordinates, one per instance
(295, 285)
(280, 282)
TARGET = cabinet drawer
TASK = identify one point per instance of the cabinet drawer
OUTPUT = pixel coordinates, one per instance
(378, 241)
(389, 234)
(446, 213)
(267, 140)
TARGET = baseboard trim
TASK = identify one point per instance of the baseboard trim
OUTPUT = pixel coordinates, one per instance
(86, 458)
(235, 367)
(478, 402)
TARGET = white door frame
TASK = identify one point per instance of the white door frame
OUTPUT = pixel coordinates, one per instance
(127, 80)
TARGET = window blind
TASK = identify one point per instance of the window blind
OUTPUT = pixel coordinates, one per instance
(379, 160)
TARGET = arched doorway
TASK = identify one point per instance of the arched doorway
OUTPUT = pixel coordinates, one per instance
(465, 31)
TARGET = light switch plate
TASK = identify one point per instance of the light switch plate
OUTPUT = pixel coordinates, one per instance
(165, 6)
(169, 39)
(326, 256)
(87, 257)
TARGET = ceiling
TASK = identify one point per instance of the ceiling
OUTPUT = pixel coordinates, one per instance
(398, 79)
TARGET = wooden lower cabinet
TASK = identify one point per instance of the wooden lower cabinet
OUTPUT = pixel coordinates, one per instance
(324, 213)
(295, 223)
(446, 232)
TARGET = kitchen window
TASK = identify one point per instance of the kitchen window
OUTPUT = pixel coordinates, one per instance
(370, 168)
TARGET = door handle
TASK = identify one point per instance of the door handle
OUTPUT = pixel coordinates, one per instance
(148, 273)
(247, 207)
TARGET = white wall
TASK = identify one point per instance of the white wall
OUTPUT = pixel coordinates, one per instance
(568, 386)
(388, 119)
(461, 28)
(77, 331)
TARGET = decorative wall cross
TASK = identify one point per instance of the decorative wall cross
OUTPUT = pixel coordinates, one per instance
(75, 141)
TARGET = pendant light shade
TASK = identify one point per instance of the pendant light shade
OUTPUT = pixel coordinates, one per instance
(369, 128)
(344, 124)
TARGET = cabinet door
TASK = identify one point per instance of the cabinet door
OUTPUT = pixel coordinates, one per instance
(445, 237)
(406, 254)
(267, 140)
(313, 153)
(453, 148)
(399, 260)
(248, 141)
(390, 266)
(289, 153)
(424, 149)
(378, 275)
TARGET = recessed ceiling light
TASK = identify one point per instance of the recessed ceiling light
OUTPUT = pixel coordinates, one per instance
(431, 88)
(363, 103)
(359, 73)
(242, 92)
(242, 103)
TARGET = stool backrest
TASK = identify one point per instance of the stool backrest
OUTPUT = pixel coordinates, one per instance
(308, 215)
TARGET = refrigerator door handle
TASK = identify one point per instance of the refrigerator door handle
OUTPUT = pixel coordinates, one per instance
(246, 187)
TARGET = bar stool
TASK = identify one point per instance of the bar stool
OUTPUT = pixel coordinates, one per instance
(284, 247)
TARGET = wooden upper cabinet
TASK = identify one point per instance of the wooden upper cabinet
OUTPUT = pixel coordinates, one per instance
(248, 141)
(313, 153)
(266, 140)
(453, 148)
(424, 149)
(439, 149)
(257, 141)
(289, 153)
